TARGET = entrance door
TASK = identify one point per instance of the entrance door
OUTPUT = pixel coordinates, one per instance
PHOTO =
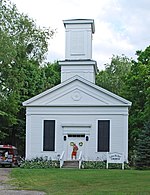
(79, 140)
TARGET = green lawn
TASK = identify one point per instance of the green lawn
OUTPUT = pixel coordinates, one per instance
(69, 181)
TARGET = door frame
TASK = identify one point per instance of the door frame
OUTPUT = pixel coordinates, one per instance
(79, 141)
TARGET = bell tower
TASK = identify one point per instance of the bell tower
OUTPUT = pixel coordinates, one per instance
(78, 50)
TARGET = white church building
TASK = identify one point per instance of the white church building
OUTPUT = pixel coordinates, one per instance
(77, 111)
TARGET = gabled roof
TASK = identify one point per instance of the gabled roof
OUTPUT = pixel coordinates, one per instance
(77, 91)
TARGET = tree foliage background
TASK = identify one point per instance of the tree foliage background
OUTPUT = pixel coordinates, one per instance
(131, 80)
(24, 74)
(142, 158)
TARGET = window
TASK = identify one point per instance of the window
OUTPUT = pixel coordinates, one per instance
(103, 135)
(49, 135)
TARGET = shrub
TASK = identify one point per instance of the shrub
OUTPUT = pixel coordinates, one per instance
(102, 165)
(39, 163)
(93, 165)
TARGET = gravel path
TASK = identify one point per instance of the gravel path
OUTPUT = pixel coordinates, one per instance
(6, 189)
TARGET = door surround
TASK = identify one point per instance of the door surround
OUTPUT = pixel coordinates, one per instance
(77, 133)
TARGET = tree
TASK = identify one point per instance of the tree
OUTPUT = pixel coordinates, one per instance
(23, 46)
(142, 160)
(138, 91)
(113, 78)
(52, 75)
(130, 79)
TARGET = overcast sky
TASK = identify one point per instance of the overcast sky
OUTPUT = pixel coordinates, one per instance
(121, 26)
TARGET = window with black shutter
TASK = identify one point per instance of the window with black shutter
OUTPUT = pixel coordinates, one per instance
(49, 135)
(103, 135)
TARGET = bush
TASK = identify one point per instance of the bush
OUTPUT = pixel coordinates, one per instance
(39, 163)
(93, 165)
(102, 165)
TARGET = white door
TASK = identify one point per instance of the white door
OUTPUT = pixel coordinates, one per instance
(80, 142)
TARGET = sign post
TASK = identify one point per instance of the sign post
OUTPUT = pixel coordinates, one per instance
(115, 157)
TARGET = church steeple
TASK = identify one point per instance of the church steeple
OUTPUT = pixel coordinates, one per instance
(78, 50)
(79, 39)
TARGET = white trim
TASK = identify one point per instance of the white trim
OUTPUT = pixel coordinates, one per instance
(77, 105)
(28, 136)
(124, 101)
(75, 125)
(44, 119)
(67, 131)
(77, 62)
(97, 134)
(81, 21)
(110, 136)
(42, 135)
(126, 138)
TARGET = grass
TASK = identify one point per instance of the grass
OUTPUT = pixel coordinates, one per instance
(77, 182)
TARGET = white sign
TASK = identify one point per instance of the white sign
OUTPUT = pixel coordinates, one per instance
(115, 157)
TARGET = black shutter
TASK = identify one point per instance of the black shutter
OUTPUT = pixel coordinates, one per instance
(49, 135)
(103, 135)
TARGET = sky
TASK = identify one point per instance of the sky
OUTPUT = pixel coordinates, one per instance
(121, 26)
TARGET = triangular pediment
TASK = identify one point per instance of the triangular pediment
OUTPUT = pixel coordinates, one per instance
(77, 92)
(76, 96)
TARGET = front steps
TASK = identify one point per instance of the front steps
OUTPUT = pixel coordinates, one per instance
(73, 164)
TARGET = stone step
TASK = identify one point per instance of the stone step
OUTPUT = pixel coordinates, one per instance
(71, 164)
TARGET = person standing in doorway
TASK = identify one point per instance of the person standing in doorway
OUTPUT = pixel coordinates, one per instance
(74, 151)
